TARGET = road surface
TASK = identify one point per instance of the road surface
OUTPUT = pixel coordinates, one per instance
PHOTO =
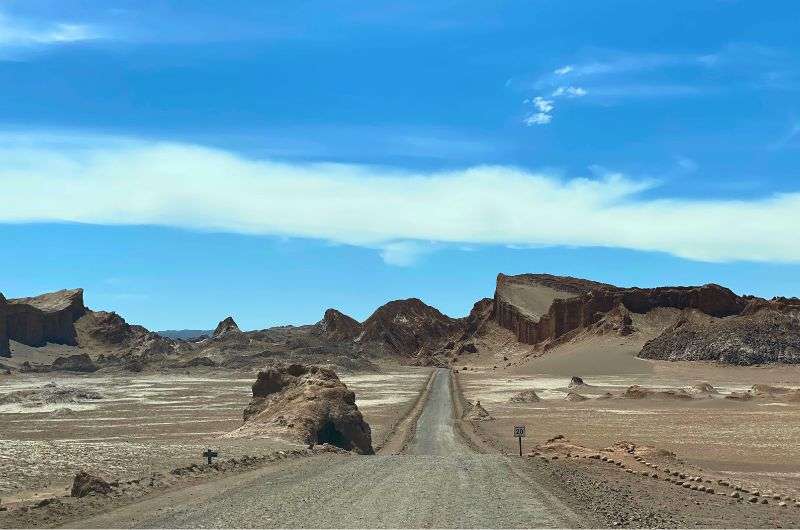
(438, 482)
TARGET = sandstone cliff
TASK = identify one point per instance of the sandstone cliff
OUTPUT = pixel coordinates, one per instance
(37, 320)
(541, 308)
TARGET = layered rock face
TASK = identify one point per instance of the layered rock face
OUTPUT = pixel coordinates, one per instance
(408, 327)
(540, 307)
(308, 404)
(46, 318)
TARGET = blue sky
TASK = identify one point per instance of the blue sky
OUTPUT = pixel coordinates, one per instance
(187, 160)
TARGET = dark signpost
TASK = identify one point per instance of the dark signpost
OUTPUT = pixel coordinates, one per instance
(208, 453)
(519, 432)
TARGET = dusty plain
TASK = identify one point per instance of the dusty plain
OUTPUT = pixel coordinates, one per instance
(155, 422)
(752, 443)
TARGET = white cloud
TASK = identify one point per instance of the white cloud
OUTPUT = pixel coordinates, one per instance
(15, 32)
(543, 105)
(403, 253)
(564, 70)
(538, 118)
(570, 92)
(194, 187)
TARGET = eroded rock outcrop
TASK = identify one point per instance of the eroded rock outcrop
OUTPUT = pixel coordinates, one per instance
(74, 363)
(40, 319)
(475, 412)
(338, 326)
(84, 484)
(540, 307)
(409, 328)
(525, 396)
(766, 336)
(226, 326)
(306, 404)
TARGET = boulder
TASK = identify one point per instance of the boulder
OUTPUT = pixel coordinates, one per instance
(640, 392)
(525, 396)
(74, 363)
(307, 404)
(84, 484)
(576, 381)
(476, 412)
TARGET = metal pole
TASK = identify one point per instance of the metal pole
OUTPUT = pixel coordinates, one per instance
(520, 446)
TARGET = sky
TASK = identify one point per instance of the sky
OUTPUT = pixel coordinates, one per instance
(187, 160)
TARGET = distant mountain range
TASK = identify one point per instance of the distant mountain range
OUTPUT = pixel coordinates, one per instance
(529, 315)
(184, 334)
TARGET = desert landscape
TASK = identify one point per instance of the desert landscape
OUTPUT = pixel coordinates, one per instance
(693, 387)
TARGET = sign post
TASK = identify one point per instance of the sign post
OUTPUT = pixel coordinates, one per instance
(209, 454)
(519, 433)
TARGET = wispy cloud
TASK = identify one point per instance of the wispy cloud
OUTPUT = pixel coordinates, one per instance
(21, 33)
(569, 92)
(538, 118)
(542, 115)
(396, 211)
(614, 76)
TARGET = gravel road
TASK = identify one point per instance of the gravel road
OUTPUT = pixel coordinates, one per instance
(438, 482)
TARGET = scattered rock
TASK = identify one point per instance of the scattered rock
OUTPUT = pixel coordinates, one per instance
(84, 484)
(476, 412)
(525, 396)
(74, 363)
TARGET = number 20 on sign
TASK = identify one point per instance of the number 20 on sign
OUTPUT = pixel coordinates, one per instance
(519, 433)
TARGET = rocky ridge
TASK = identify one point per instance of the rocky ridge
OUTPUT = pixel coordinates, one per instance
(540, 311)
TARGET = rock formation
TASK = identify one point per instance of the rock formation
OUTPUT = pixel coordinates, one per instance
(408, 327)
(525, 396)
(639, 392)
(766, 336)
(119, 341)
(84, 484)
(226, 326)
(49, 394)
(576, 381)
(338, 326)
(541, 307)
(46, 318)
(476, 412)
(308, 404)
(74, 363)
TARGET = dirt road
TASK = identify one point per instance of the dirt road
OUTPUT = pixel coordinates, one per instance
(438, 482)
